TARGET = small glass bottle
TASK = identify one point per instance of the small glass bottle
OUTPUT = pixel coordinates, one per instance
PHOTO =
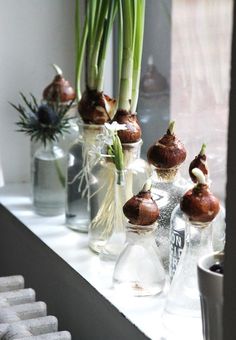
(80, 163)
(49, 172)
(177, 225)
(102, 193)
(138, 270)
(177, 236)
(166, 155)
(182, 307)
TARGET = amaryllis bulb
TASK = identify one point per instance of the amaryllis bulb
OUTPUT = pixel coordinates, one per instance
(141, 209)
(132, 133)
(167, 152)
(198, 203)
(200, 162)
(59, 89)
(96, 107)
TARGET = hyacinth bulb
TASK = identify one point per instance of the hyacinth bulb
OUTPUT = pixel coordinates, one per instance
(132, 133)
(59, 89)
(200, 162)
(198, 203)
(96, 107)
(167, 152)
(141, 209)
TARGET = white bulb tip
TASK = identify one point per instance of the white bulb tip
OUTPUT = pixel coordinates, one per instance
(200, 176)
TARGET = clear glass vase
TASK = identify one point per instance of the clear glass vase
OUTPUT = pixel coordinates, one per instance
(167, 190)
(183, 302)
(81, 160)
(48, 175)
(102, 191)
(138, 270)
(177, 235)
(107, 231)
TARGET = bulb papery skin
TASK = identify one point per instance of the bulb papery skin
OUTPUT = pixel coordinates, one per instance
(200, 162)
(96, 107)
(60, 89)
(133, 132)
(199, 204)
(166, 153)
(141, 209)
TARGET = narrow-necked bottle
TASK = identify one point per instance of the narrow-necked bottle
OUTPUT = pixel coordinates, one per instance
(166, 155)
(200, 207)
(138, 270)
(177, 222)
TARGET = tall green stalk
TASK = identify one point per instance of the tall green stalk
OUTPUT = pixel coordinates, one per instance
(80, 44)
(132, 16)
(95, 36)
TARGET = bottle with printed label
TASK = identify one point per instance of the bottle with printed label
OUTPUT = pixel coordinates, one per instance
(166, 156)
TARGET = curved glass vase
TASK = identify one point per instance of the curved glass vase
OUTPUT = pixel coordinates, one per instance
(138, 270)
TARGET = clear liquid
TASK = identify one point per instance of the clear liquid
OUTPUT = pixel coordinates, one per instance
(77, 207)
(49, 185)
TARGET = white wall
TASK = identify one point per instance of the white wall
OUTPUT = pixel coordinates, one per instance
(34, 34)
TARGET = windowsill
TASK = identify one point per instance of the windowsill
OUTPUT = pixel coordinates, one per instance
(144, 312)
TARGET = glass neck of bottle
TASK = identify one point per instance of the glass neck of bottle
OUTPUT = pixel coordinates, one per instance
(198, 238)
(136, 232)
(49, 146)
(90, 133)
(166, 176)
(131, 152)
(120, 177)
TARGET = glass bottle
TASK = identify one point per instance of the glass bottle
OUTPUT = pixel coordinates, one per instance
(177, 235)
(106, 231)
(49, 171)
(167, 190)
(80, 162)
(102, 191)
(183, 303)
(138, 270)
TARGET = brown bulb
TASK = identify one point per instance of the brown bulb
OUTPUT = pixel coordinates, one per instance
(198, 203)
(152, 81)
(200, 162)
(141, 209)
(60, 89)
(133, 132)
(168, 152)
(96, 107)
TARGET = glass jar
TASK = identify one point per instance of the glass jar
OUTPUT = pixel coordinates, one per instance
(49, 172)
(138, 270)
(102, 191)
(183, 302)
(167, 192)
(177, 234)
(106, 231)
(80, 163)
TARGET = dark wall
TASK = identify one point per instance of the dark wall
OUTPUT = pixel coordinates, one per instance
(79, 308)
(230, 252)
